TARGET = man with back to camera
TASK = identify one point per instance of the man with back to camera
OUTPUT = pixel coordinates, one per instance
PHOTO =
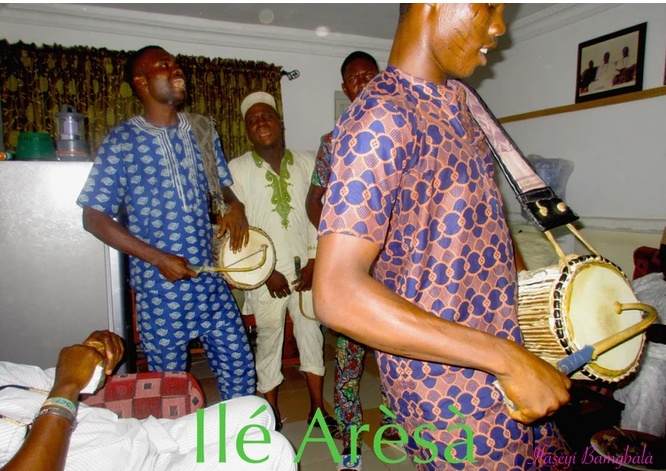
(152, 166)
(357, 70)
(412, 195)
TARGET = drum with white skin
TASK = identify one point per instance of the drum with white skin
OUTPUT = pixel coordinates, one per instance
(562, 309)
(247, 269)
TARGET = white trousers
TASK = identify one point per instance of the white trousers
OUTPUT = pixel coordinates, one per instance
(270, 315)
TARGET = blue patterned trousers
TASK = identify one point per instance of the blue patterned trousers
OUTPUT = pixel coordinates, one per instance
(223, 337)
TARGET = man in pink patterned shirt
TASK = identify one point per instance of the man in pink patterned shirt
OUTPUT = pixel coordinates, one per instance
(412, 194)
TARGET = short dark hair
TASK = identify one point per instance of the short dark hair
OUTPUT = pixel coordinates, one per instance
(352, 57)
(404, 8)
(132, 61)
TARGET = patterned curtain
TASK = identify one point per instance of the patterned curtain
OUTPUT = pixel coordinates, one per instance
(35, 82)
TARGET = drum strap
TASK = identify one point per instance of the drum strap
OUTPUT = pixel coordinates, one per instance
(203, 128)
(544, 207)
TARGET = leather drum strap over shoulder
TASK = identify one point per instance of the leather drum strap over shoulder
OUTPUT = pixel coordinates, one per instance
(544, 207)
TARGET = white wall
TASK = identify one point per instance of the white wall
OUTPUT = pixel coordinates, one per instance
(618, 151)
(308, 100)
(540, 72)
(617, 186)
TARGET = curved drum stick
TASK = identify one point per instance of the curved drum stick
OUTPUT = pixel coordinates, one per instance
(297, 266)
(577, 360)
(228, 269)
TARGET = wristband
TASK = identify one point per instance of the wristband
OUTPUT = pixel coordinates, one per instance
(56, 411)
(62, 403)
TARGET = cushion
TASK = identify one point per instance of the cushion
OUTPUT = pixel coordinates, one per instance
(646, 260)
(164, 395)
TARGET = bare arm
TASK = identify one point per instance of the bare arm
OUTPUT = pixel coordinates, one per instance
(320, 174)
(313, 204)
(112, 233)
(45, 448)
(350, 301)
(230, 197)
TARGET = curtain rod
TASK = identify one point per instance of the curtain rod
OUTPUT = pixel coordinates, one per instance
(293, 75)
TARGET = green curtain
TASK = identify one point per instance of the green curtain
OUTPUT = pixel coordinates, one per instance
(35, 81)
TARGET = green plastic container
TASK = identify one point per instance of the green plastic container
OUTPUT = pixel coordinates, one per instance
(35, 146)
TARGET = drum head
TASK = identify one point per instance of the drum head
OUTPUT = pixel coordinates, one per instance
(249, 256)
(591, 293)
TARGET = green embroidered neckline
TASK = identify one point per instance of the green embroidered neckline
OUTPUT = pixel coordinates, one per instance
(281, 197)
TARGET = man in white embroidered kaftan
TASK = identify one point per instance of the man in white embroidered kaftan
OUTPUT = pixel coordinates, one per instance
(272, 182)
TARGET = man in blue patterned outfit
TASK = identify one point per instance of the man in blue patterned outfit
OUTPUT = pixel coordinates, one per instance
(152, 166)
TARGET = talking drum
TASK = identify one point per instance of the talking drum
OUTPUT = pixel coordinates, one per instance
(582, 313)
(584, 302)
(247, 269)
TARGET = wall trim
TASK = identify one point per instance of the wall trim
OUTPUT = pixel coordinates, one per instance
(190, 30)
(613, 100)
(651, 226)
(555, 17)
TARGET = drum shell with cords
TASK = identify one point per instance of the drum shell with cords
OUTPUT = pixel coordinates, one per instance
(249, 257)
(583, 316)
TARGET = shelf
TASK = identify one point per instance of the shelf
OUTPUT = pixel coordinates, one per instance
(635, 96)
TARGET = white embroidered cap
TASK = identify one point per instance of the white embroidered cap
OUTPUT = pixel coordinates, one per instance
(257, 97)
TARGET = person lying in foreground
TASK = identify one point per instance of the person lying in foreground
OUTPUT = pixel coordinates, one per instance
(45, 428)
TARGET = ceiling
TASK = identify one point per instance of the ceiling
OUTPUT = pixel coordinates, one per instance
(377, 20)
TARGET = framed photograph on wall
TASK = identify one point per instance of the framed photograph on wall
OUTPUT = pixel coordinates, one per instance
(611, 65)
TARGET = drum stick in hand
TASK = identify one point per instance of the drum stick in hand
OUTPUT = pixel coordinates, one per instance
(297, 282)
(580, 358)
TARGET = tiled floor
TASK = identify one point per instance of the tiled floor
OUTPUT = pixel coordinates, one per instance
(294, 405)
